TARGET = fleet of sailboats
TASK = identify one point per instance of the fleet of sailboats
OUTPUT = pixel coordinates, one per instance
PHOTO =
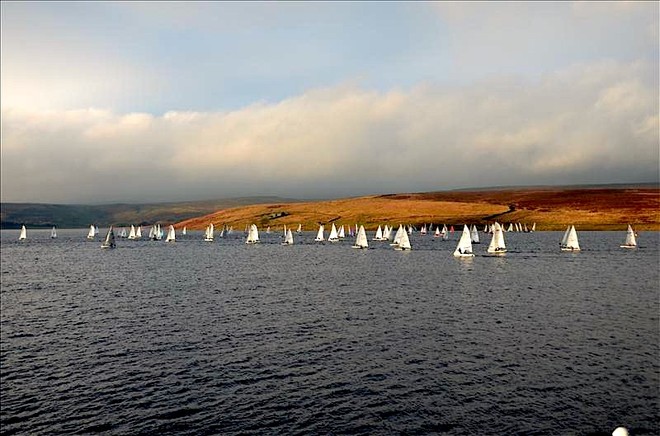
(469, 236)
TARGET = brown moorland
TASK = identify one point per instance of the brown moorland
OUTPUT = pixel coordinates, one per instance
(549, 208)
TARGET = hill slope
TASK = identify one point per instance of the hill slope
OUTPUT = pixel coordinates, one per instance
(550, 208)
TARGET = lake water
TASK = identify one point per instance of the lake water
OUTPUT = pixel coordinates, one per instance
(227, 338)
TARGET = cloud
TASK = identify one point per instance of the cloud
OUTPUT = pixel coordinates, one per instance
(590, 123)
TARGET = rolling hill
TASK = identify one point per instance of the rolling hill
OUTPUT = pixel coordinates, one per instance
(551, 208)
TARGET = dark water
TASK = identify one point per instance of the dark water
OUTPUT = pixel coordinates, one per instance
(226, 338)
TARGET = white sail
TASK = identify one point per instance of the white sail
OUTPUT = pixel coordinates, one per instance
(284, 234)
(171, 235)
(379, 234)
(570, 241)
(474, 234)
(160, 232)
(510, 229)
(138, 232)
(23, 234)
(445, 232)
(131, 233)
(387, 233)
(533, 228)
(53, 233)
(253, 235)
(152, 232)
(92, 232)
(397, 235)
(209, 234)
(497, 245)
(361, 239)
(299, 228)
(288, 239)
(109, 241)
(437, 233)
(334, 237)
(404, 243)
(464, 247)
(319, 235)
(342, 232)
(122, 234)
(184, 231)
(423, 231)
(96, 230)
(631, 241)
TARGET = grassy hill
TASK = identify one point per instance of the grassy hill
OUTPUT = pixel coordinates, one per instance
(551, 208)
(13, 215)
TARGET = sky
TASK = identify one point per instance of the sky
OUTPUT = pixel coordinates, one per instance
(148, 102)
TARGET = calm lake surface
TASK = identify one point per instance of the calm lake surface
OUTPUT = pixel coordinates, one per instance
(199, 338)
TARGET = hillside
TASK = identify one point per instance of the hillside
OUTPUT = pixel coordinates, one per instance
(13, 215)
(550, 208)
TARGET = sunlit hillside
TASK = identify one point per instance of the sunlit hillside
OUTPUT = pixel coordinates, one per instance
(549, 208)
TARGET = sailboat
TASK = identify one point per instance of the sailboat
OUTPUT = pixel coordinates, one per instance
(319, 235)
(122, 234)
(253, 235)
(184, 231)
(23, 235)
(404, 242)
(437, 233)
(334, 236)
(387, 233)
(497, 245)
(474, 235)
(53, 233)
(379, 235)
(208, 234)
(131, 233)
(138, 232)
(570, 240)
(109, 239)
(171, 235)
(91, 233)
(288, 239)
(342, 233)
(464, 247)
(445, 232)
(96, 230)
(631, 242)
(361, 239)
(533, 228)
(299, 228)
(397, 235)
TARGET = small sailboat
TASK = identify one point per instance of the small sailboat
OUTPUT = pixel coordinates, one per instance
(361, 239)
(387, 233)
(92, 232)
(437, 233)
(474, 234)
(497, 245)
(631, 241)
(109, 239)
(319, 235)
(208, 234)
(288, 239)
(379, 235)
(184, 232)
(533, 228)
(96, 230)
(131, 233)
(299, 228)
(23, 235)
(464, 247)
(397, 235)
(122, 234)
(53, 233)
(334, 236)
(570, 240)
(341, 233)
(404, 242)
(253, 235)
(445, 232)
(171, 235)
(138, 232)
